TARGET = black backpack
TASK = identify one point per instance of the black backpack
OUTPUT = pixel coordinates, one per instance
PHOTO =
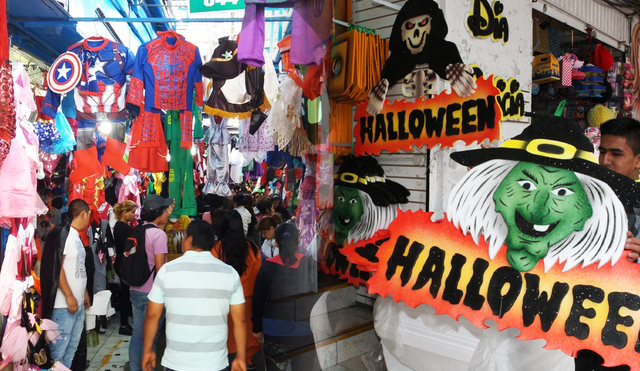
(134, 267)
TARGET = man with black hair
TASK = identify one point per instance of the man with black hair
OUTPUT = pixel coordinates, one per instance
(619, 151)
(199, 292)
(155, 210)
(64, 281)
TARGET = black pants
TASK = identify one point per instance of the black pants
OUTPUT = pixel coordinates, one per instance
(125, 305)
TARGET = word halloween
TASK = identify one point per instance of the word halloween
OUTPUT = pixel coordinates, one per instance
(443, 119)
(433, 263)
(485, 21)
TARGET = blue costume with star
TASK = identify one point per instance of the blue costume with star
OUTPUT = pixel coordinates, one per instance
(100, 94)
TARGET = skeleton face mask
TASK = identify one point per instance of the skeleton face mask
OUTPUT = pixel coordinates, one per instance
(415, 31)
(419, 83)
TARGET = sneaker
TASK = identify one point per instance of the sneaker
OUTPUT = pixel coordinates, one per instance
(125, 330)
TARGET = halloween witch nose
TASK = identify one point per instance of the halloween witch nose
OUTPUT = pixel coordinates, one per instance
(539, 208)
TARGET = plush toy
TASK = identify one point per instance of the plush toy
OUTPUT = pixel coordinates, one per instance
(418, 51)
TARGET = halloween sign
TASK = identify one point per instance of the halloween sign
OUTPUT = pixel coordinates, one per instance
(533, 238)
(365, 202)
(419, 55)
(419, 51)
(443, 119)
(584, 308)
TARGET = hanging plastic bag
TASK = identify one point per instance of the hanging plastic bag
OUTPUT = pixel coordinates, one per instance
(67, 141)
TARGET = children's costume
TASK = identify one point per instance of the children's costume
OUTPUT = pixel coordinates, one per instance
(181, 187)
(100, 95)
(218, 140)
(164, 77)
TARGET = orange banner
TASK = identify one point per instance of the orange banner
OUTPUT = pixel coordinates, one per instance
(443, 119)
(433, 263)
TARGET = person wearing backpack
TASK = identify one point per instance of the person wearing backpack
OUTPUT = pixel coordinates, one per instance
(155, 215)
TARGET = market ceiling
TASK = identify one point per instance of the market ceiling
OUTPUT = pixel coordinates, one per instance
(46, 28)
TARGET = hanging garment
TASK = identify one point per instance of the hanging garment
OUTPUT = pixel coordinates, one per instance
(285, 115)
(103, 81)
(25, 105)
(218, 171)
(236, 160)
(165, 76)
(259, 143)
(7, 110)
(148, 150)
(238, 97)
(311, 31)
(20, 198)
(166, 73)
(89, 189)
(181, 187)
(129, 189)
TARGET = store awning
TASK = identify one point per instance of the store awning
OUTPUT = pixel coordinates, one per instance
(44, 29)
(45, 43)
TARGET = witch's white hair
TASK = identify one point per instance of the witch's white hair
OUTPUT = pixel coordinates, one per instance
(472, 209)
(373, 219)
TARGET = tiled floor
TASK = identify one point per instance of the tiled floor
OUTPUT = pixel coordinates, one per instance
(112, 352)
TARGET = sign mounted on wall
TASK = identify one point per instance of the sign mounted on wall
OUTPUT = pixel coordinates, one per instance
(442, 119)
(488, 21)
(203, 6)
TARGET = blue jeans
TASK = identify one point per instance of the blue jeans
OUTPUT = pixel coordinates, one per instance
(70, 326)
(139, 302)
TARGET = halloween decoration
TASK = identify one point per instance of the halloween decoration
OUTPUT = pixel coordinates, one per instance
(540, 209)
(365, 202)
(418, 43)
(542, 194)
(443, 119)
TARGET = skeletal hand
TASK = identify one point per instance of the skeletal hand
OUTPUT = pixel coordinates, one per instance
(460, 76)
(376, 97)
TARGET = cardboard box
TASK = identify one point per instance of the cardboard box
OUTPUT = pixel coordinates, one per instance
(545, 69)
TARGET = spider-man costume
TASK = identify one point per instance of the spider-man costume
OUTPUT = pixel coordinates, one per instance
(164, 77)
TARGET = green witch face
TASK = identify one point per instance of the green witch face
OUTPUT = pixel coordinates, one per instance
(347, 211)
(541, 206)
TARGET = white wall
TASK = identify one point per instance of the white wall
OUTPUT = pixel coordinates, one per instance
(512, 59)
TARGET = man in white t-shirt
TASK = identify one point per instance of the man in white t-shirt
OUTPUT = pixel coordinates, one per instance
(198, 292)
(72, 297)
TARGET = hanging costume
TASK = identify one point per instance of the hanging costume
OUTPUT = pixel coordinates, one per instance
(100, 95)
(218, 140)
(164, 77)
(238, 90)
(18, 186)
(310, 36)
(181, 187)
(7, 111)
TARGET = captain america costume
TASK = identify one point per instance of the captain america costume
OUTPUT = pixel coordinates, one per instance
(100, 94)
(164, 77)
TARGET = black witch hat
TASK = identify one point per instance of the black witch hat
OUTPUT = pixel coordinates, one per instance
(364, 173)
(224, 61)
(557, 142)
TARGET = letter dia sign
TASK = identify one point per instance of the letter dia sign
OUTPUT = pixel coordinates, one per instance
(202, 6)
